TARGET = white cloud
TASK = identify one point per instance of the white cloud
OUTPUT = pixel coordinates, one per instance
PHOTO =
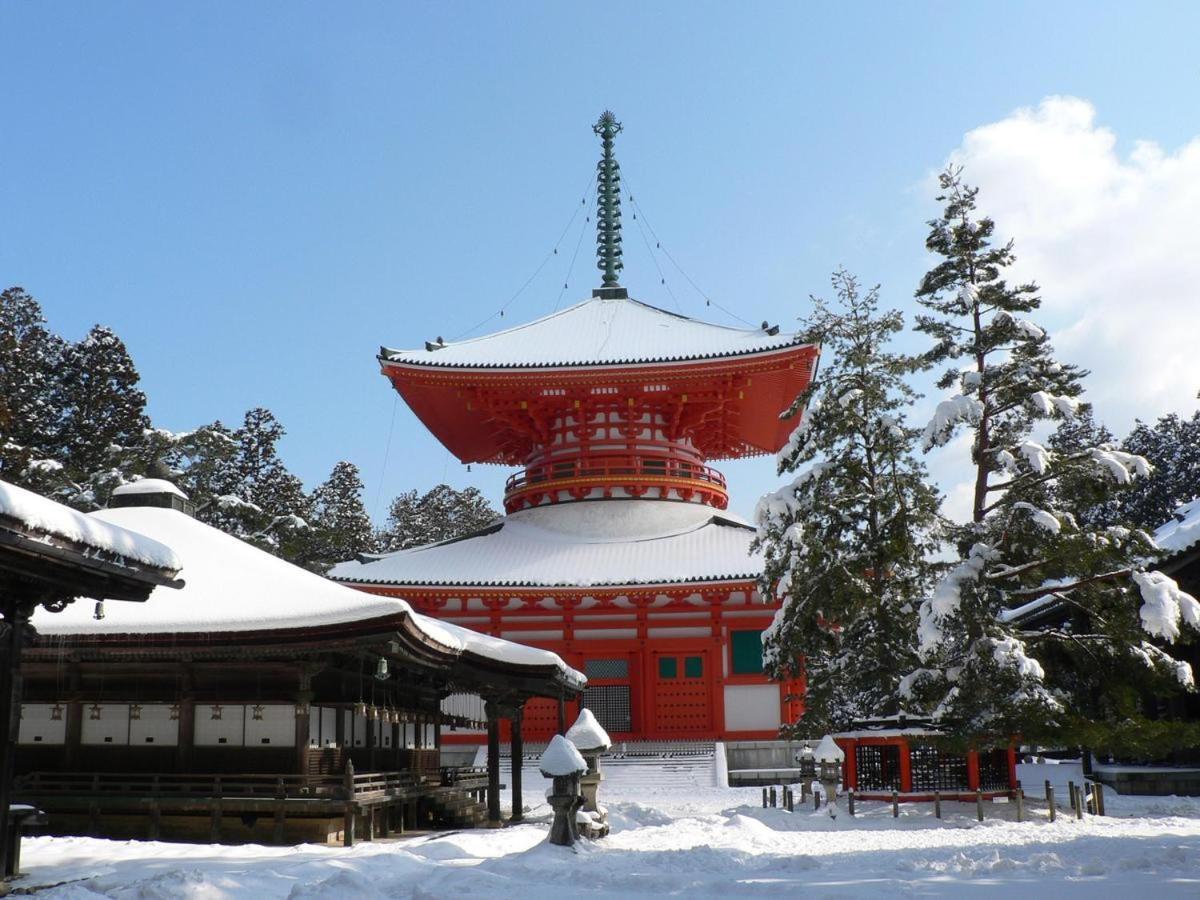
(1114, 242)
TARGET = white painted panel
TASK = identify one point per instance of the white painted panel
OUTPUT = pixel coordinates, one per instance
(691, 632)
(314, 726)
(276, 728)
(751, 707)
(227, 731)
(328, 726)
(38, 725)
(154, 725)
(520, 636)
(384, 736)
(601, 634)
(360, 730)
(430, 736)
(111, 728)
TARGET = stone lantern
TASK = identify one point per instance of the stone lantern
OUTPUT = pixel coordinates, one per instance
(829, 758)
(563, 765)
(591, 740)
(807, 764)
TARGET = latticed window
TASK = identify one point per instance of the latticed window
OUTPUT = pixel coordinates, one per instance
(993, 770)
(878, 767)
(609, 703)
(606, 668)
(934, 769)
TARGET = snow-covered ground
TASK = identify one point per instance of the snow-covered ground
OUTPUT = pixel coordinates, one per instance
(713, 842)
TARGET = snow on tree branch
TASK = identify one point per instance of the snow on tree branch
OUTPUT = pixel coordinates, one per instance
(948, 415)
(1164, 605)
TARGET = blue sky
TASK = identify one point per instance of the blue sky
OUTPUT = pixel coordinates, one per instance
(256, 196)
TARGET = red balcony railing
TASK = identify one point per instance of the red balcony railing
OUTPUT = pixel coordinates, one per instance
(631, 472)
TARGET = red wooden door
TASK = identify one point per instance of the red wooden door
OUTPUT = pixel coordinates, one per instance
(682, 693)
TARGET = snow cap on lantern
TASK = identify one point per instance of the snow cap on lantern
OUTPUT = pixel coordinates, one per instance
(561, 758)
(587, 734)
(829, 751)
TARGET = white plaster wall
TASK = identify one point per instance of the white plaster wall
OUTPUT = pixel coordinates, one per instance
(37, 726)
(111, 728)
(751, 707)
(155, 726)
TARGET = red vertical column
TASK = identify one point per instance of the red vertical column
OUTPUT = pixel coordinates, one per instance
(1012, 766)
(905, 768)
(850, 771)
(973, 770)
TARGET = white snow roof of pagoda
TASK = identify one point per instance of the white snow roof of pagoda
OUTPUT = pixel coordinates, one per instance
(598, 331)
(232, 586)
(1182, 530)
(582, 544)
(42, 514)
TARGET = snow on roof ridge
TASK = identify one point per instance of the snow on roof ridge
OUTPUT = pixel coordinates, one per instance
(149, 486)
(686, 346)
(43, 514)
(1182, 530)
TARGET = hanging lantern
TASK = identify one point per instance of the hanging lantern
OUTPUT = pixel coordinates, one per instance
(381, 668)
(218, 711)
(302, 708)
(94, 712)
(56, 712)
(135, 711)
(174, 712)
(257, 713)
(99, 613)
(394, 717)
(360, 709)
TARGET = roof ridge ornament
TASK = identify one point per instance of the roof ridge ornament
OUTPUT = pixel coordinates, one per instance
(608, 210)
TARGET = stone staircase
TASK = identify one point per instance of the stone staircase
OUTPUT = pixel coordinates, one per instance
(456, 809)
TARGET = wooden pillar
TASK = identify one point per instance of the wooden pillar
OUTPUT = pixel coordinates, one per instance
(972, 770)
(905, 767)
(348, 811)
(517, 750)
(16, 616)
(493, 763)
(850, 775)
(73, 739)
(562, 713)
(1012, 766)
(304, 697)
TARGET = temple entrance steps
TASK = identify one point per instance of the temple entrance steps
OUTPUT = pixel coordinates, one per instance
(457, 809)
(634, 767)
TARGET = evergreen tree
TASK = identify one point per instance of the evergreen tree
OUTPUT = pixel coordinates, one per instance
(31, 398)
(848, 540)
(1095, 503)
(985, 675)
(339, 527)
(1172, 445)
(105, 409)
(438, 515)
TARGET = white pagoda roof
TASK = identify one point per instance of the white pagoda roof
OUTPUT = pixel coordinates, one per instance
(604, 331)
(1182, 530)
(586, 543)
(233, 586)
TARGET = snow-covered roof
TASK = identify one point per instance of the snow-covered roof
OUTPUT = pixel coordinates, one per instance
(1182, 531)
(587, 733)
(41, 514)
(149, 486)
(581, 544)
(605, 331)
(561, 758)
(233, 586)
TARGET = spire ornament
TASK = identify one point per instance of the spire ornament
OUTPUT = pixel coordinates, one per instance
(608, 208)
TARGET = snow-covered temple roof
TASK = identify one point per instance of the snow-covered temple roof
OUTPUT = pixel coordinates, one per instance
(233, 587)
(44, 515)
(583, 544)
(598, 331)
(1182, 530)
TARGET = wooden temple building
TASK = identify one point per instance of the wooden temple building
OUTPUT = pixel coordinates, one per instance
(260, 701)
(617, 551)
(50, 556)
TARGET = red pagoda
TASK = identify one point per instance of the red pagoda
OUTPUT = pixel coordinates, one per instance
(616, 551)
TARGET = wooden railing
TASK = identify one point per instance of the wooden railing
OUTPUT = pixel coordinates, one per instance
(616, 470)
(352, 786)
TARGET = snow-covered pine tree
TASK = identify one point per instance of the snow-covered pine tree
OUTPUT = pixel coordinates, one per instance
(848, 540)
(105, 410)
(339, 527)
(984, 674)
(439, 514)
(1092, 501)
(1172, 445)
(268, 499)
(31, 400)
